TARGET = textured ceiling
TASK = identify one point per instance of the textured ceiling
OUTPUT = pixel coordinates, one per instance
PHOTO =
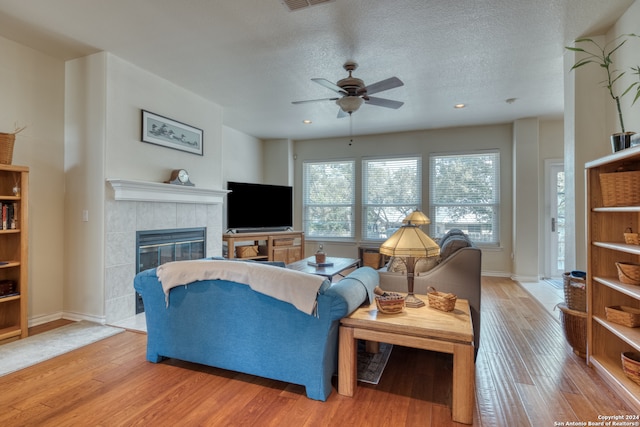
(254, 57)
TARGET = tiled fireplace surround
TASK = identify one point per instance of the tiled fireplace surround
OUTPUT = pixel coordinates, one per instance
(134, 205)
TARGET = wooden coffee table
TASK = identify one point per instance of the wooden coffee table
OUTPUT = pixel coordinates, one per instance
(424, 328)
(339, 265)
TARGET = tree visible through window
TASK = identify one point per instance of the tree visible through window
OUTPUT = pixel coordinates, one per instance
(465, 194)
(391, 189)
(329, 199)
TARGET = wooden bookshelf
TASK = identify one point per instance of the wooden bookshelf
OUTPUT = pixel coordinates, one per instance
(14, 251)
(606, 246)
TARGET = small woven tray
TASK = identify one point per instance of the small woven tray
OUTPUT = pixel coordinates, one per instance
(631, 238)
(623, 315)
(390, 303)
(631, 365)
(628, 273)
(441, 300)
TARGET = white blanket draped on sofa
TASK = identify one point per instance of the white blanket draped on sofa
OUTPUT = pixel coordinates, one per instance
(297, 288)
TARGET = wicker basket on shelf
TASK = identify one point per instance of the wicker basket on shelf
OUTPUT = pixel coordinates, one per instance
(7, 141)
(574, 323)
(441, 300)
(631, 238)
(631, 365)
(628, 273)
(620, 188)
(247, 251)
(575, 291)
(623, 315)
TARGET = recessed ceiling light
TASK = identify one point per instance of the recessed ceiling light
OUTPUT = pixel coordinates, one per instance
(307, 122)
(459, 105)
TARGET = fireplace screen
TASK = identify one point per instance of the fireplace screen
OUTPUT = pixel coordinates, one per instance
(156, 247)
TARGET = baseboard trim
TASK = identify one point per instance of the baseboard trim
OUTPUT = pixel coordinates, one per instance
(495, 274)
(78, 316)
(40, 320)
(521, 279)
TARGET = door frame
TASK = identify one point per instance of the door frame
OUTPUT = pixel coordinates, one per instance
(550, 211)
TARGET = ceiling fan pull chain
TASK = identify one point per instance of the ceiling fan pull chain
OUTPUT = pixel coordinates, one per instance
(350, 129)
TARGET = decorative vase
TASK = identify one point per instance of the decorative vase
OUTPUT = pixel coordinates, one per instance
(620, 141)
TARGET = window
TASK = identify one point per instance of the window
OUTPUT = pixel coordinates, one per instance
(465, 194)
(329, 199)
(391, 189)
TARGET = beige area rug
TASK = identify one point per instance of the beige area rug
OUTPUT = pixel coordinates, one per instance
(26, 352)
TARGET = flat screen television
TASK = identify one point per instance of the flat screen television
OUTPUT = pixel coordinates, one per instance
(259, 206)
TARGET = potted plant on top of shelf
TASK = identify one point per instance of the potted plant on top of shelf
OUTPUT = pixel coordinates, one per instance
(601, 55)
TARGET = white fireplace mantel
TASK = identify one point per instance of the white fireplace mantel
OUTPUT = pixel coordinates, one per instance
(143, 191)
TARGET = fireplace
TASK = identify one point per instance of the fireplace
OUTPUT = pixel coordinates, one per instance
(139, 206)
(156, 247)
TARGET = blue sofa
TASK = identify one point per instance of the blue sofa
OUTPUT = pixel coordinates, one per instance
(228, 325)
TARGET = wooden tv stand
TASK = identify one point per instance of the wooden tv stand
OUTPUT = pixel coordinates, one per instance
(285, 246)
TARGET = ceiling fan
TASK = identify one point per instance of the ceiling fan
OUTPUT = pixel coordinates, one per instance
(354, 92)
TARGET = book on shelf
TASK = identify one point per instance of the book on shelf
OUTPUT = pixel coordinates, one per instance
(8, 215)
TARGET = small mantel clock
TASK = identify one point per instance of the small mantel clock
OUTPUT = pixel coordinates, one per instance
(180, 177)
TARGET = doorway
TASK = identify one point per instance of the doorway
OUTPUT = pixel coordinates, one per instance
(554, 228)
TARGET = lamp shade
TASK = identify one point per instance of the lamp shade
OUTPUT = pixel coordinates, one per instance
(416, 217)
(410, 241)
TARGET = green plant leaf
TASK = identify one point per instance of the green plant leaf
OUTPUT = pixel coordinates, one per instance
(583, 62)
(631, 86)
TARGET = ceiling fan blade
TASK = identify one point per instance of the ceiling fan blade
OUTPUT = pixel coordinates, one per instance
(334, 87)
(342, 114)
(382, 102)
(314, 100)
(386, 84)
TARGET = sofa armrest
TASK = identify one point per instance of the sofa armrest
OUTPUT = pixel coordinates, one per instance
(353, 290)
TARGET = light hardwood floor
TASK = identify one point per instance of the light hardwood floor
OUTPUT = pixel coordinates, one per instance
(526, 375)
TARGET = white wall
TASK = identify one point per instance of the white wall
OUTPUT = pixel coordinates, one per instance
(627, 56)
(32, 88)
(526, 181)
(242, 157)
(131, 89)
(242, 160)
(278, 162)
(105, 96)
(85, 129)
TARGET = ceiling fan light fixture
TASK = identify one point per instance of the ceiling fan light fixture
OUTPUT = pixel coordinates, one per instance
(349, 104)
